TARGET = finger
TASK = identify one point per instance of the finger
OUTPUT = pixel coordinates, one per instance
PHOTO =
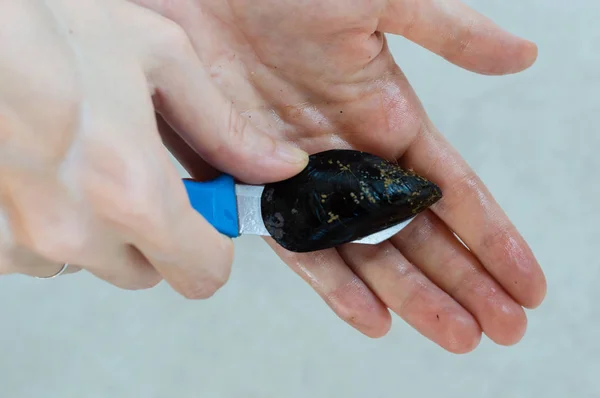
(192, 257)
(124, 267)
(17, 260)
(183, 247)
(470, 211)
(407, 292)
(25, 262)
(129, 270)
(192, 103)
(429, 244)
(139, 194)
(340, 288)
(136, 191)
(64, 230)
(459, 34)
(189, 159)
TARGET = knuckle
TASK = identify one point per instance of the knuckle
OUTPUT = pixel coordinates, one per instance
(59, 122)
(201, 291)
(144, 283)
(123, 276)
(152, 282)
(175, 34)
(136, 210)
(172, 39)
(415, 237)
(53, 230)
(415, 293)
(207, 286)
(221, 279)
(466, 278)
(462, 189)
(458, 44)
(236, 126)
(58, 243)
(197, 293)
(465, 182)
(235, 134)
(129, 200)
(411, 21)
(496, 237)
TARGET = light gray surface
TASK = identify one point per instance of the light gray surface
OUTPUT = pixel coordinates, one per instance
(266, 334)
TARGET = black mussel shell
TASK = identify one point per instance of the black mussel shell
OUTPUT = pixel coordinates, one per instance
(342, 196)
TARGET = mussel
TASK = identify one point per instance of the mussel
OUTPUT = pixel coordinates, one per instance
(342, 196)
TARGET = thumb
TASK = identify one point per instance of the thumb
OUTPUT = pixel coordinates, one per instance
(209, 123)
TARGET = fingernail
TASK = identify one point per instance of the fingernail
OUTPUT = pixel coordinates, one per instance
(291, 154)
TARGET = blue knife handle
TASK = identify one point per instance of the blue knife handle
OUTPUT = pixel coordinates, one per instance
(215, 200)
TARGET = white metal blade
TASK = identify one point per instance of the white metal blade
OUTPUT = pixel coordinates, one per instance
(249, 213)
(251, 222)
(384, 235)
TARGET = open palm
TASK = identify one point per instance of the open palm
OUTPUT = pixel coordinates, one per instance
(319, 74)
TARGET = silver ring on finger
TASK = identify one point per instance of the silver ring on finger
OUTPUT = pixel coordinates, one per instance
(60, 272)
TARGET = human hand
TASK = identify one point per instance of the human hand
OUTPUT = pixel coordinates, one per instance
(84, 177)
(320, 73)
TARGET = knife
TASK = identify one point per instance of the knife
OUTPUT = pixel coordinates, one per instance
(235, 209)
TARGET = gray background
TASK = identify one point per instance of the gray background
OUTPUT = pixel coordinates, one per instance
(266, 334)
